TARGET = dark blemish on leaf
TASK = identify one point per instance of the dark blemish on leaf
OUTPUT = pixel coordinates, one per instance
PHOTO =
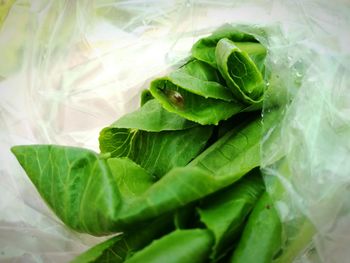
(175, 98)
(268, 206)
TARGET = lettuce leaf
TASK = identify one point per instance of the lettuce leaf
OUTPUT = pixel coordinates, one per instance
(196, 92)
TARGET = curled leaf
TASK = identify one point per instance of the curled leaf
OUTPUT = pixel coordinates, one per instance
(242, 75)
(195, 92)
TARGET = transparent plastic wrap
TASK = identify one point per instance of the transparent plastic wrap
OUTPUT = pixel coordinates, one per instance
(306, 153)
(72, 67)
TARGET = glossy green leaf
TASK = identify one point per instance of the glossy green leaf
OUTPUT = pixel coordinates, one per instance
(194, 92)
(103, 252)
(158, 152)
(87, 192)
(118, 248)
(178, 188)
(256, 52)
(204, 49)
(225, 162)
(132, 180)
(240, 72)
(97, 196)
(76, 183)
(199, 78)
(83, 189)
(236, 153)
(154, 138)
(222, 164)
(262, 235)
(185, 246)
(225, 212)
(152, 117)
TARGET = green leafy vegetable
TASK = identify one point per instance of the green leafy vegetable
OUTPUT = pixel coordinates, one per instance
(220, 165)
(103, 252)
(154, 138)
(204, 49)
(83, 189)
(118, 248)
(179, 246)
(240, 72)
(201, 79)
(262, 235)
(178, 188)
(166, 166)
(152, 117)
(132, 180)
(76, 183)
(236, 153)
(224, 213)
(195, 92)
(159, 152)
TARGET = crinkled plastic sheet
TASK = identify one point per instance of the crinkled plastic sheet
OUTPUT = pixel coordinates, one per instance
(311, 182)
(70, 67)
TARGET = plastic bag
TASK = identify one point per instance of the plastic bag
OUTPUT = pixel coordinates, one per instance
(74, 66)
(310, 183)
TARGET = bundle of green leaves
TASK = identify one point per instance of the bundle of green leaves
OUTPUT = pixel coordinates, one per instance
(177, 180)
